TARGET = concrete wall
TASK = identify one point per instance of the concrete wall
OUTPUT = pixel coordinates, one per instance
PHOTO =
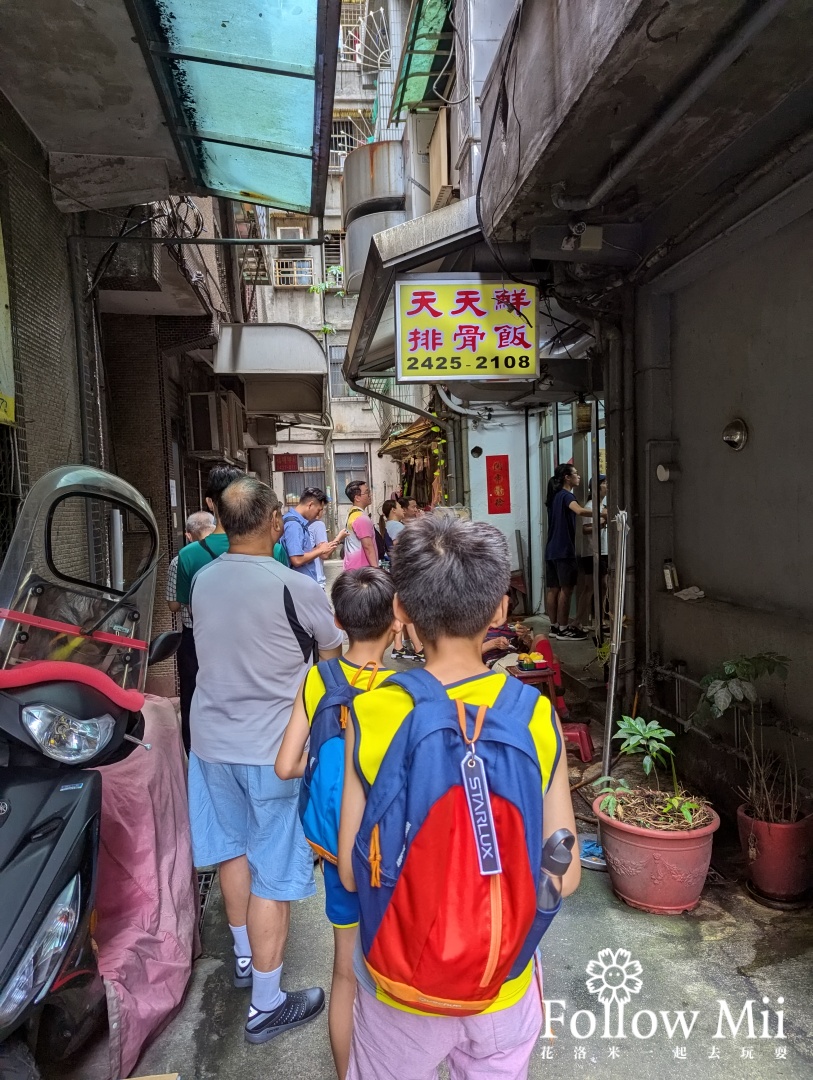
(734, 343)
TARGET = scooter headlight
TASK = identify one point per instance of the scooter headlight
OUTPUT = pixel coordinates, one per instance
(36, 971)
(65, 738)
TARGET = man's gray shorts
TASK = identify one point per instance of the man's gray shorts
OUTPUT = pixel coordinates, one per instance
(247, 810)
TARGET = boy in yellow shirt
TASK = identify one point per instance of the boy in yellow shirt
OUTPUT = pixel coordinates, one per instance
(451, 579)
(362, 600)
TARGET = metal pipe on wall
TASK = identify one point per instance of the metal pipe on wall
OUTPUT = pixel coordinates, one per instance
(651, 444)
(116, 550)
(598, 602)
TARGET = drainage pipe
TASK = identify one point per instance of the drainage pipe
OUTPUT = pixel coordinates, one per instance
(731, 51)
(365, 391)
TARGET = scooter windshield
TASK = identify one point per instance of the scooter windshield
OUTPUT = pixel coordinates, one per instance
(78, 580)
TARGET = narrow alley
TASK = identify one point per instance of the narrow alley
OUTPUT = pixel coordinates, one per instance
(406, 616)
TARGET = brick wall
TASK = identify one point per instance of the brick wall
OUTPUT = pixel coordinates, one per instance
(48, 430)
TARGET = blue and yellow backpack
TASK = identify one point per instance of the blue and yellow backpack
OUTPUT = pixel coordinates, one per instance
(448, 857)
(320, 794)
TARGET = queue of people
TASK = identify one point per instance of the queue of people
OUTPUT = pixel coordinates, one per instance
(278, 704)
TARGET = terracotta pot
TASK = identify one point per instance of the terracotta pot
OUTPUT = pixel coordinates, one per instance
(661, 872)
(779, 855)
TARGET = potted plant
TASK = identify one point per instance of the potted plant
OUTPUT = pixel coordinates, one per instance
(775, 832)
(657, 845)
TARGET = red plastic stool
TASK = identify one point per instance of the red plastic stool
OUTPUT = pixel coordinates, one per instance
(579, 734)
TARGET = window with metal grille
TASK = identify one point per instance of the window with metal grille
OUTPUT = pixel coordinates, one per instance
(310, 473)
(338, 387)
(334, 257)
(293, 273)
(351, 23)
(348, 131)
(350, 467)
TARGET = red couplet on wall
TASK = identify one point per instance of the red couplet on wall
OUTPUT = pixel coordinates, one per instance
(498, 484)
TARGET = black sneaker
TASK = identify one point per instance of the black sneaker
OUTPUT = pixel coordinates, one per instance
(418, 657)
(299, 1007)
(242, 972)
(572, 633)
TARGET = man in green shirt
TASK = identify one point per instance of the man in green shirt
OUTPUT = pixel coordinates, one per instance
(192, 557)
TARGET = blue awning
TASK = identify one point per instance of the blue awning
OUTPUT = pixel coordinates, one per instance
(247, 89)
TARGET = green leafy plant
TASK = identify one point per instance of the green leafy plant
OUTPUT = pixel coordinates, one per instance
(647, 808)
(772, 791)
(335, 274)
(326, 328)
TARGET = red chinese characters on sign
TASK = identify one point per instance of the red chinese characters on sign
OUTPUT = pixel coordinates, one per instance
(511, 299)
(424, 300)
(498, 484)
(425, 339)
(511, 337)
(469, 337)
(286, 463)
(468, 300)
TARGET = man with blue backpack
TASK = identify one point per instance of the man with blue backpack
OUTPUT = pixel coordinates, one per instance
(442, 828)
(313, 748)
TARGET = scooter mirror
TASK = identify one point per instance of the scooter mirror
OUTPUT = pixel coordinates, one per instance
(164, 646)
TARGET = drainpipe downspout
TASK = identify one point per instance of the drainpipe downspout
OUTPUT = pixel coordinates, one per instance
(232, 262)
(731, 51)
(365, 391)
(461, 410)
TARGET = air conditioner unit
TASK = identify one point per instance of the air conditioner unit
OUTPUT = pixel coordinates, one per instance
(260, 431)
(216, 423)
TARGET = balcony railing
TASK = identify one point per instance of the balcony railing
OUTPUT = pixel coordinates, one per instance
(293, 273)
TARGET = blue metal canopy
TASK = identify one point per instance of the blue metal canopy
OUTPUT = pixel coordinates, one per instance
(247, 89)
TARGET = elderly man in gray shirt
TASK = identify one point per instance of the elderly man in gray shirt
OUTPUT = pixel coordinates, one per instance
(257, 628)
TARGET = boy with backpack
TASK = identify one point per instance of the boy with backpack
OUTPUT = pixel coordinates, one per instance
(442, 828)
(313, 747)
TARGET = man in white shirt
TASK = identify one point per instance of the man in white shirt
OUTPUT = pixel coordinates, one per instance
(257, 625)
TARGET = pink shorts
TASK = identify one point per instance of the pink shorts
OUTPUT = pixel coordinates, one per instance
(389, 1044)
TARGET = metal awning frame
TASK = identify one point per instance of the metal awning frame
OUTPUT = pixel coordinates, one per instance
(159, 60)
(384, 263)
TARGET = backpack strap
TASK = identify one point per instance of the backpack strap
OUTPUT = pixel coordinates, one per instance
(206, 548)
(332, 673)
(421, 685)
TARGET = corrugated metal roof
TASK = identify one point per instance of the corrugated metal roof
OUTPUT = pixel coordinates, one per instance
(247, 87)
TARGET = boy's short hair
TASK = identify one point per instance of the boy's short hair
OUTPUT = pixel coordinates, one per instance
(362, 600)
(450, 575)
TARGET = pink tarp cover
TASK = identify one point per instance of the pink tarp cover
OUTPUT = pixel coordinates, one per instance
(146, 899)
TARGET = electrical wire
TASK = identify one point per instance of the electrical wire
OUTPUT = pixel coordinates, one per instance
(452, 53)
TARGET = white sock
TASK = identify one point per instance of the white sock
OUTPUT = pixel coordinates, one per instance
(265, 992)
(241, 943)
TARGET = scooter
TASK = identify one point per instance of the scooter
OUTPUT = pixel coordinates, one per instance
(74, 652)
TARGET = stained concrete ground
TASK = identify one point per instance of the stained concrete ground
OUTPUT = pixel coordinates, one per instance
(729, 950)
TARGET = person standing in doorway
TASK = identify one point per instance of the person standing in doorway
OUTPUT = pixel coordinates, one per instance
(257, 626)
(359, 546)
(303, 554)
(561, 564)
(584, 597)
(198, 526)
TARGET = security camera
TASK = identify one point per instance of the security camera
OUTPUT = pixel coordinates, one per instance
(578, 227)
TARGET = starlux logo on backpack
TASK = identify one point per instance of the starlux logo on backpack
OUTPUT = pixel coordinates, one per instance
(475, 785)
(615, 977)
